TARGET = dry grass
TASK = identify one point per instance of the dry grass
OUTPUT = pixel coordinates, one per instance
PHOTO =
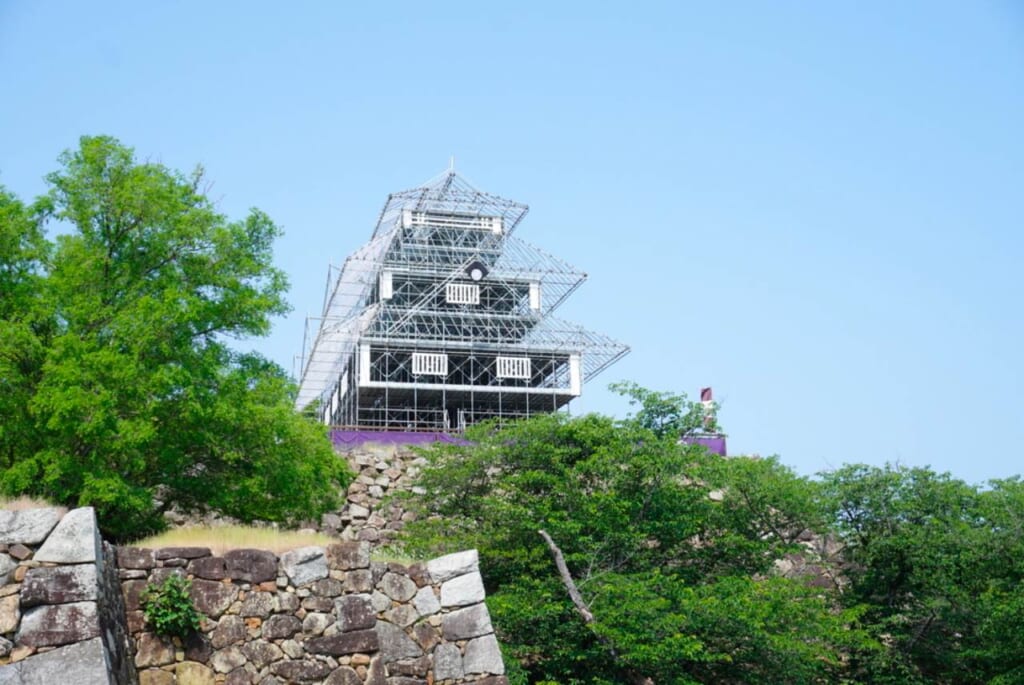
(25, 502)
(220, 539)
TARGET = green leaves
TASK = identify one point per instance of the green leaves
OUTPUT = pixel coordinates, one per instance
(168, 608)
(122, 385)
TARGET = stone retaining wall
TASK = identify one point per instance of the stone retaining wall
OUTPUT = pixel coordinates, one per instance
(317, 615)
(61, 611)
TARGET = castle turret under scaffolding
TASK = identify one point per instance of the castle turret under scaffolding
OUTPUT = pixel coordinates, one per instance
(444, 319)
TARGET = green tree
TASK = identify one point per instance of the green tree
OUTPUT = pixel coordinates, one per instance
(673, 584)
(135, 396)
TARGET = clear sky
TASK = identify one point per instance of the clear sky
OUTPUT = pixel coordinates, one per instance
(815, 208)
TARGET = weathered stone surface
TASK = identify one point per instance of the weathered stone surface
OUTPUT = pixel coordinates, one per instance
(490, 680)
(60, 624)
(314, 603)
(426, 602)
(239, 676)
(418, 573)
(405, 680)
(166, 553)
(462, 590)
(229, 630)
(360, 580)
(327, 587)
(402, 615)
(345, 643)
(381, 602)
(287, 602)
(156, 676)
(395, 644)
(135, 557)
(19, 551)
(251, 565)
(355, 612)
(292, 648)
(315, 623)
(304, 565)
(59, 585)
(27, 526)
(375, 674)
(463, 624)
(448, 662)
(304, 671)
(261, 653)
(75, 540)
(227, 659)
(258, 604)
(410, 667)
(198, 648)
(158, 575)
(192, 673)
(132, 591)
(210, 568)
(483, 656)
(343, 675)
(212, 598)
(452, 565)
(398, 588)
(5, 646)
(10, 613)
(426, 635)
(153, 650)
(347, 556)
(281, 626)
(79, 663)
(7, 566)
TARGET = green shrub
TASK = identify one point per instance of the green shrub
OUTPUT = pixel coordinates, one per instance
(168, 608)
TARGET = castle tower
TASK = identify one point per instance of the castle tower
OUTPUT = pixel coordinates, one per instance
(444, 319)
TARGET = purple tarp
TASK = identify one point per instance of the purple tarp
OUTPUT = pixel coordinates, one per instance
(714, 443)
(355, 438)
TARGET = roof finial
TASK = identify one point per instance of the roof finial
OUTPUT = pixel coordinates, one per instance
(451, 164)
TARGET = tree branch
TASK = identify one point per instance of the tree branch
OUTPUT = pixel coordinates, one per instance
(567, 581)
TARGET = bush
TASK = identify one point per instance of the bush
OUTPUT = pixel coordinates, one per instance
(168, 608)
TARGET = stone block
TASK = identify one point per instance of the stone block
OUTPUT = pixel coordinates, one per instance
(483, 656)
(395, 644)
(360, 580)
(448, 662)
(153, 650)
(258, 604)
(452, 565)
(426, 602)
(27, 526)
(363, 641)
(304, 565)
(227, 659)
(59, 624)
(261, 653)
(132, 591)
(315, 623)
(156, 676)
(301, 671)
(75, 540)
(229, 630)
(410, 667)
(426, 635)
(402, 615)
(7, 566)
(251, 565)
(462, 590)
(343, 675)
(327, 587)
(212, 598)
(10, 613)
(209, 568)
(398, 588)
(470, 622)
(83, 663)
(355, 612)
(192, 673)
(59, 585)
(281, 626)
(135, 557)
(348, 556)
(166, 553)
(381, 602)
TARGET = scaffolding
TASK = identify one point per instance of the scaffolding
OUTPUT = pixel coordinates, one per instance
(444, 319)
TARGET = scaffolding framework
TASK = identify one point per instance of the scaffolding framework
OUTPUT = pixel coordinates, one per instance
(444, 319)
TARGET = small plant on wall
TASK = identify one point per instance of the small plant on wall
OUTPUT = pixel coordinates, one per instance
(168, 608)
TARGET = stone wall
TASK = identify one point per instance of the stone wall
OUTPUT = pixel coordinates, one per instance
(317, 615)
(61, 611)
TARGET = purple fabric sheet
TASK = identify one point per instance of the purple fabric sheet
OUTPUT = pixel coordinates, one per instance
(714, 443)
(355, 438)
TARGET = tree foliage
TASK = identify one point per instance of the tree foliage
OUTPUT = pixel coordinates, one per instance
(124, 393)
(679, 583)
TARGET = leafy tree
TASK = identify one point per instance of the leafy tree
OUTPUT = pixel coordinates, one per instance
(133, 392)
(673, 585)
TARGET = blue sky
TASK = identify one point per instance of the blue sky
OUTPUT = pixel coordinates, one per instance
(816, 208)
